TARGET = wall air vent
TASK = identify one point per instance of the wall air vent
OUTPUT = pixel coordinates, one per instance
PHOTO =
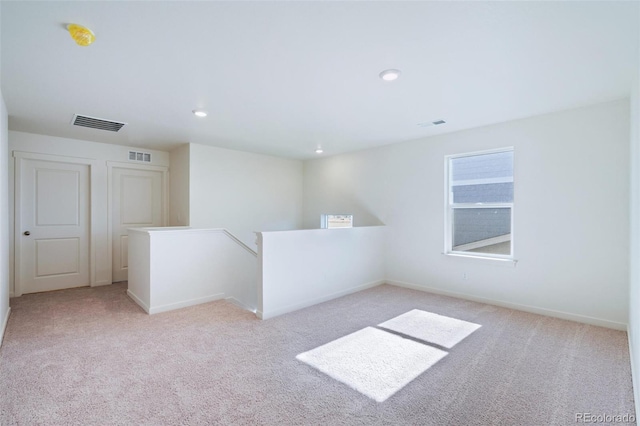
(145, 157)
(96, 123)
(432, 123)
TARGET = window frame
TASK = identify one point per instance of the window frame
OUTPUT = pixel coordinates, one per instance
(449, 207)
(325, 219)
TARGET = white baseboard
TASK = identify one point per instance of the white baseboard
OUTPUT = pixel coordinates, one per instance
(532, 309)
(240, 304)
(185, 303)
(138, 301)
(101, 283)
(4, 325)
(294, 307)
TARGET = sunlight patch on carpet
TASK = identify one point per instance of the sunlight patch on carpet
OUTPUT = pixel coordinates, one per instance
(431, 328)
(373, 362)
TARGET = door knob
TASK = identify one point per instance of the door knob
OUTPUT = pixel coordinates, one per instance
(27, 233)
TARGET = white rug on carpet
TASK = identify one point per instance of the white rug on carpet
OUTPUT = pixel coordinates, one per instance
(373, 362)
(431, 328)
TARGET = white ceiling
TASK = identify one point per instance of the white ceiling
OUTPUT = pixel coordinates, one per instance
(283, 77)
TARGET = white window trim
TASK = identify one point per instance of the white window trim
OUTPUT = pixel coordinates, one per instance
(448, 208)
(324, 221)
(482, 181)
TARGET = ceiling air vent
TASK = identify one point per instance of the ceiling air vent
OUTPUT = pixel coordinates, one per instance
(432, 123)
(96, 123)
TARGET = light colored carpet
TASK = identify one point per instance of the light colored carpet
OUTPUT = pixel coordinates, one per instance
(373, 362)
(93, 357)
(431, 328)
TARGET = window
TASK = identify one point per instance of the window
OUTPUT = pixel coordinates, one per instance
(479, 207)
(329, 221)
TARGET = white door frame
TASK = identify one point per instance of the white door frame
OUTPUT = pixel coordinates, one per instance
(165, 197)
(19, 156)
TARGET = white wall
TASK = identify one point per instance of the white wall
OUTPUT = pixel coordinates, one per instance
(4, 220)
(139, 273)
(243, 192)
(179, 186)
(28, 142)
(634, 252)
(297, 269)
(171, 268)
(571, 218)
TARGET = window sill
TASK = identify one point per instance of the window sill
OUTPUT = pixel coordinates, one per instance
(502, 260)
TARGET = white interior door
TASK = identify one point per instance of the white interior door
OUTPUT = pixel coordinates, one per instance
(137, 201)
(52, 233)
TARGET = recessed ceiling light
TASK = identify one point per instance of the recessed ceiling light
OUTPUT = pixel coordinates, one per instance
(199, 113)
(319, 151)
(432, 123)
(390, 75)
